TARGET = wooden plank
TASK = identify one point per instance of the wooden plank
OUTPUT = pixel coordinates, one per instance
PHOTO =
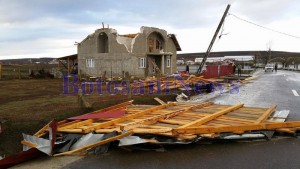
(154, 119)
(70, 130)
(287, 130)
(111, 139)
(68, 123)
(114, 107)
(75, 125)
(266, 114)
(108, 130)
(176, 122)
(131, 116)
(151, 131)
(42, 131)
(237, 128)
(179, 137)
(159, 101)
(29, 144)
(212, 116)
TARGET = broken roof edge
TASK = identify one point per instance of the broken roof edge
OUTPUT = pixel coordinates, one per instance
(173, 37)
(131, 35)
(143, 30)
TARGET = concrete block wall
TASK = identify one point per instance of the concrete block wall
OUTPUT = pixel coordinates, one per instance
(123, 53)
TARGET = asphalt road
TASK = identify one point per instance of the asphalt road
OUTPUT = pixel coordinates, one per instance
(282, 152)
(270, 88)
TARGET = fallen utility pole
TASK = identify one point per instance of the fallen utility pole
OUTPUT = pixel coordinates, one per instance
(212, 41)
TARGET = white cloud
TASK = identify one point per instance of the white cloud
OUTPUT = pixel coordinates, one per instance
(50, 27)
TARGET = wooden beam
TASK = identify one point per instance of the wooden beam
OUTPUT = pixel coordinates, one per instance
(159, 101)
(42, 131)
(114, 107)
(151, 131)
(61, 125)
(237, 128)
(70, 130)
(212, 116)
(29, 144)
(287, 130)
(108, 130)
(179, 137)
(126, 118)
(167, 115)
(175, 122)
(111, 139)
(266, 114)
(75, 125)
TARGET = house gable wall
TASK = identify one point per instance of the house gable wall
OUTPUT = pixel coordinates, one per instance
(123, 53)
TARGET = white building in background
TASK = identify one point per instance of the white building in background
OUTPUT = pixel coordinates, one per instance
(190, 62)
(217, 59)
(239, 58)
(180, 62)
(214, 59)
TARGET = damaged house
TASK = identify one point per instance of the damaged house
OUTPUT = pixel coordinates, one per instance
(152, 51)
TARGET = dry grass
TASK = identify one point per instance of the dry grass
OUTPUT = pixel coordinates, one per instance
(28, 105)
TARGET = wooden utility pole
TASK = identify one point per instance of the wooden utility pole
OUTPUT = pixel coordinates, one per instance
(213, 40)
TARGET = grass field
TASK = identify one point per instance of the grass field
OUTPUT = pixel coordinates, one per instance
(28, 105)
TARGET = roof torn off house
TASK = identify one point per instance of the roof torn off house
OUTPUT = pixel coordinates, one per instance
(168, 123)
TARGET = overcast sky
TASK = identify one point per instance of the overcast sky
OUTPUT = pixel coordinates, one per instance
(49, 28)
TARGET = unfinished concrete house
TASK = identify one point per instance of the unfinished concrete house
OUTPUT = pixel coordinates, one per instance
(148, 53)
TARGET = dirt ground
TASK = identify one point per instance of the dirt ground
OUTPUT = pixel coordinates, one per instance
(28, 105)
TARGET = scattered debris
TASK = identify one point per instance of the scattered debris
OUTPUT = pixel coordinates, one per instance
(176, 82)
(168, 123)
(183, 122)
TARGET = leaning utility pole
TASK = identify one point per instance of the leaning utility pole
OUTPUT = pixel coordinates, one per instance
(212, 41)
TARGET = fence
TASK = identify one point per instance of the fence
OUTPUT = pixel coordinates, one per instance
(213, 71)
(25, 71)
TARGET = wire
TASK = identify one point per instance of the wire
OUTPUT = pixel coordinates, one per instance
(273, 30)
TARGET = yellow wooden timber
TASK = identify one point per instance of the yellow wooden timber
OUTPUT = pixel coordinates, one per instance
(29, 144)
(114, 107)
(131, 116)
(266, 114)
(154, 119)
(212, 116)
(111, 139)
(75, 125)
(237, 128)
(159, 101)
(42, 131)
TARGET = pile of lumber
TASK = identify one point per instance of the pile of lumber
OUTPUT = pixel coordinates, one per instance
(183, 122)
(174, 83)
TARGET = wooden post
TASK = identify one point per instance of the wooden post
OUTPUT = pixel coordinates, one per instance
(213, 40)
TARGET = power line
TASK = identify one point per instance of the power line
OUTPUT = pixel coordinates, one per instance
(273, 30)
